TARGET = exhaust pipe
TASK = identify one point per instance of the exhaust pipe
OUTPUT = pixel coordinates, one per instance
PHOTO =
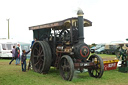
(80, 26)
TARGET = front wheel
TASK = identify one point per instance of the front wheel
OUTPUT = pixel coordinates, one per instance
(66, 68)
(98, 69)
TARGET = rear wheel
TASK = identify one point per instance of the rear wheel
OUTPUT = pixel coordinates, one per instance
(98, 69)
(66, 68)
(41, 57)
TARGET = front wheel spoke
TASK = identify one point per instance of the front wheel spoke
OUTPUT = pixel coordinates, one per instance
(98, 66)
(92, 71)
(96, 72)
(68, 68)
(66, 75)
(97, 60)
(62, 67)
(65, 69)
(65, 61)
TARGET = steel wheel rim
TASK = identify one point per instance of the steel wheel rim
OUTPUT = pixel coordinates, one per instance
(66, 67)
(38, 57)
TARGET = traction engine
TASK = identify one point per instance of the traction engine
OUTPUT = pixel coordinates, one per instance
(61, 45)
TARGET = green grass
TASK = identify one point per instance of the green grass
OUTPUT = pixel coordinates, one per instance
(12, 75)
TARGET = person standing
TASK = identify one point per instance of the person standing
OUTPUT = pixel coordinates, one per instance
(17, 54)
(33, 42)
(23, 59)
(13, 55)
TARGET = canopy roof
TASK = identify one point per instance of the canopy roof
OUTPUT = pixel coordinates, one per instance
(60, 24)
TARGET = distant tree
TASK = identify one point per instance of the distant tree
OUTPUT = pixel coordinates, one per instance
(93, 44)
(127, 39)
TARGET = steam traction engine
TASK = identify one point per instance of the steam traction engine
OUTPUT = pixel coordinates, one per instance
(61, 45)
(122, 55)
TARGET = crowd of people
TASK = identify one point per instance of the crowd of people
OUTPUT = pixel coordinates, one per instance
(16, 56)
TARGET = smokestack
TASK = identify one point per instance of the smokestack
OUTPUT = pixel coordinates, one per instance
(80, 25)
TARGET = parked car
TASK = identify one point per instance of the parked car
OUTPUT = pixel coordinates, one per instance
(96, 47)
(93, 49)
(100, 50)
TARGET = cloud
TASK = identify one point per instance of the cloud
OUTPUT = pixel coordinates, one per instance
(109, 17)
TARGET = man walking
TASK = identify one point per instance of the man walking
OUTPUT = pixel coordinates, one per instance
(13, 55)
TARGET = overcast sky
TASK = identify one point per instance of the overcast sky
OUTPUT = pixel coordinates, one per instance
(109, 17)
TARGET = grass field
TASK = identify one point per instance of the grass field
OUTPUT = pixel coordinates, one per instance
(12, 75)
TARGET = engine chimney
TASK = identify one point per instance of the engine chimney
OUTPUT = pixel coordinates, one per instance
(81, 50)
(80, 26)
